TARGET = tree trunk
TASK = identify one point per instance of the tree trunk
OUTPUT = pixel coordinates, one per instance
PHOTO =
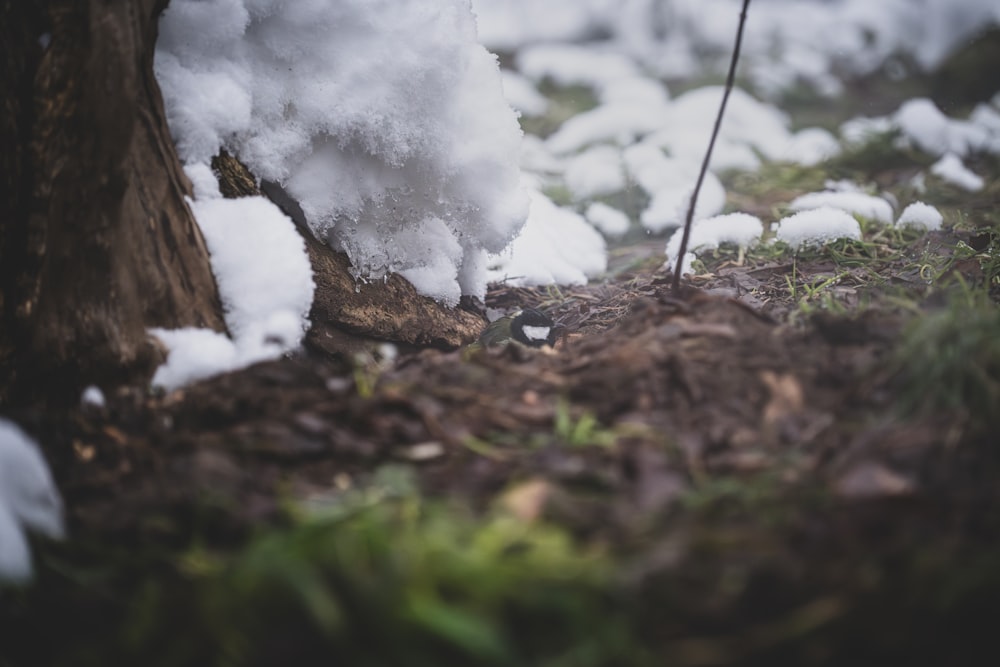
(96, 241)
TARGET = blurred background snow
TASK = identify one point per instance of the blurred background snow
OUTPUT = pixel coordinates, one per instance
(817, 41)
(618, 100)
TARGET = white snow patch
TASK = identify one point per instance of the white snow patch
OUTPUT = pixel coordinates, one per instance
(618, 122)
(535, 157)
(193, 354)
(556, 246)
(861, 130)
(204, 182)
(951, 169)
(842, 185)
(669, 206)
(259, 261)
(740, 229)
(650, 167)
(92, 397)
(377, 118)
(196, 354)
(923, 125)
(29, 500)
(986, 117)
(670, 182)
(437, 254)
(610, 221)
(867, 206)
(926, 126)
(748, 121)
(920, 215)
(639, 90)
(265, 282)
(595, 172)
(749, 128)
(522, 94)
(810, 146)
(817, 227)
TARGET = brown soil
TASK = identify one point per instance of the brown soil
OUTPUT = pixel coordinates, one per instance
(743, 459)
(750, 469)
(705, 385)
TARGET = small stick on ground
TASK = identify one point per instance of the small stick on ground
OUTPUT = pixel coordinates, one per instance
(676, 285)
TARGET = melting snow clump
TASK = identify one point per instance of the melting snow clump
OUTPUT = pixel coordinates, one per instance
(817, 226)
(521, 93)
(867, 206)
(194, 354)
(951, 169)
(923, 123)
(28, 501)
(556, 246)
(595, 172)
(385, 121)
(920, 215)
(264, 279)
(740, 229)
(610, 221)
(260, 263)
(92, 396)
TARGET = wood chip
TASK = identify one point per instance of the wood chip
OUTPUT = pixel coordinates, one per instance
(425, 451)
(872, 480)
(527, 500)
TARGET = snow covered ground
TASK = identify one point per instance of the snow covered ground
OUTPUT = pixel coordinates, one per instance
(787, 41)
(392, 127)
(637, 135)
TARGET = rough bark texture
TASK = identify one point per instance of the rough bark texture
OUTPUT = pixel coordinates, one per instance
(390, 310)
(96, 241)
(347, 314)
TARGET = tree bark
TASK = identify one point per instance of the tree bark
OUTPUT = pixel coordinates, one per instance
(97, 243)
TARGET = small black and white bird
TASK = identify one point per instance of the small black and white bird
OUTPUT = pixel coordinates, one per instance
(528, 327)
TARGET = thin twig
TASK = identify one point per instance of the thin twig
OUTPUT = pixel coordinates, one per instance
(676, 285)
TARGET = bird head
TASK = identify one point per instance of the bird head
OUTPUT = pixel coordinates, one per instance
(533, 328)
(529, 327)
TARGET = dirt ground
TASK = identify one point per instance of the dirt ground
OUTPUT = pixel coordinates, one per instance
(743, 459)
(647, 395)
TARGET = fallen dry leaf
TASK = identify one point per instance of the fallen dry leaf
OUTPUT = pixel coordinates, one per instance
(872, 480)
(424, 451)
(786, 396)
(527, 500)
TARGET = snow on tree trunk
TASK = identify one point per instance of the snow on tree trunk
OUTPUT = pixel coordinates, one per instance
(96, 241)
(345, 314)
(383, 119)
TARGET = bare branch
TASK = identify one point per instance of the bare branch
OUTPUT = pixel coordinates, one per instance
(679, 264)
